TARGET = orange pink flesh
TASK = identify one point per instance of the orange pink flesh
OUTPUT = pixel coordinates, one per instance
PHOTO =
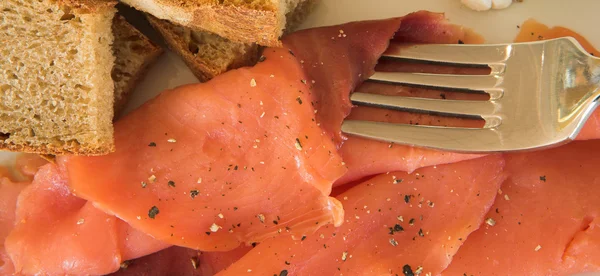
(26, 165)
(546, 217)
(393, 221)
(214, 165)
(58, 233)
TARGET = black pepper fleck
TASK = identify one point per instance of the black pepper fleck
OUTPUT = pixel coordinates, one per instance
(171, 183)
(543, 178)
(152, 144)
(283, 272)
(407, 270)
(153, 212)
(194, 193)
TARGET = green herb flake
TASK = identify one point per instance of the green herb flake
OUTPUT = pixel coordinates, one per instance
(194, 193)
(283, 273)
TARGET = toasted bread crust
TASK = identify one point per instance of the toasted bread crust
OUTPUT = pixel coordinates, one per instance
(88, 6)
(199, 68)
(128, 40)
(62, 149)
(238, 23)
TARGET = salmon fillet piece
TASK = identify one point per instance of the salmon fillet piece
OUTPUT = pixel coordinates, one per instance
(211, 166)
(395, 223)
(9, 192)
(342, 57)
(26, 165)
(58, 233)
(546, 217)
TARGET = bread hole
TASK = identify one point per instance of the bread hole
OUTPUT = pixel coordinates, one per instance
(49, 10)
(193, 48)
(67, 17)
(79, 86)
(37, 117)
(27, 18)
(52, 63)
(12, 76)
(4, 136)
(4, 88)
(73, 52)
(21, 64)
(137, 48)
(7, 10)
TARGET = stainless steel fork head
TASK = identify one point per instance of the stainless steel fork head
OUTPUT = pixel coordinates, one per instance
(541, 95)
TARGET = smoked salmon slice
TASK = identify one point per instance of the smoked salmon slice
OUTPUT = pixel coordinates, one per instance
(9, 191)
(57, 233)
(210, 166)
(345, 57)
(395, 224)
(545, 220)
(26, 165)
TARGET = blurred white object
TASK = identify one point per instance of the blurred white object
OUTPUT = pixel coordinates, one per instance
(501, 4)
(478, 5)
(484, 5)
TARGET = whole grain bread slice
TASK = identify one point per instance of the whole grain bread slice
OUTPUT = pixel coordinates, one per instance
(134, 53)
(56, 93)
(207, 54)
(257, 21)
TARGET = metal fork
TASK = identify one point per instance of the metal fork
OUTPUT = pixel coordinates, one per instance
(541, 94)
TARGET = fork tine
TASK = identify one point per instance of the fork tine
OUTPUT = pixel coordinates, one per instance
(454, 107)
(445, 138)
(444, 81)
(482, 55)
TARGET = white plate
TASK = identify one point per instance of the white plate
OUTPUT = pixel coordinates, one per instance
(496, 26)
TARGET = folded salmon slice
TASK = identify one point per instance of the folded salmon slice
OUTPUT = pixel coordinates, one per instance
(26, 165)
(209, 166)
(395, 223)
(545, 218)
(343, 60)
(57, 233)
(9, 191)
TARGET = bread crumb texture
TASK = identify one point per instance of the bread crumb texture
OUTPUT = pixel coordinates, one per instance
(134, 53)
(206, 54)
(245, 21)
(56, 91)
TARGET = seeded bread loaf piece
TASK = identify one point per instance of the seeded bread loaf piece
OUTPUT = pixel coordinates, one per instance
(134, 53)
(56, 91)
(256, 21)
